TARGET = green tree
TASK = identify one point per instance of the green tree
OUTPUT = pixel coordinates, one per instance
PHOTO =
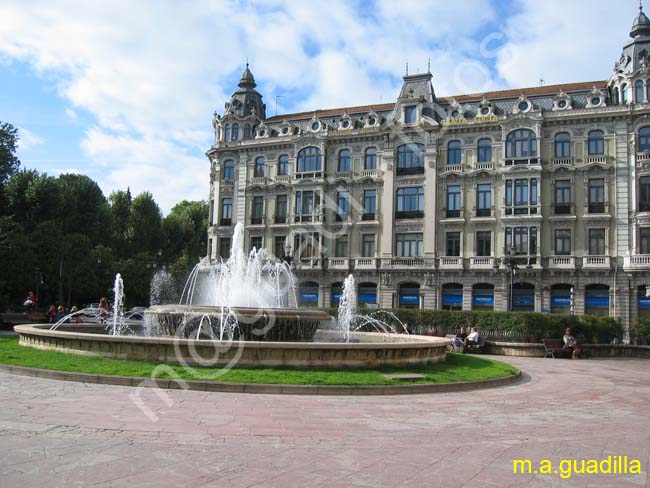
(84, 209)
(120, 208)
(192, 218)
(33, 198)
(9, 162)
(146, 219)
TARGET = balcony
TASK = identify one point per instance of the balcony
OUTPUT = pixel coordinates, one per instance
(280, 219)
(339, 263)
(563, 162)
(228, 183)
(642, 157)
(258, 180)
(452, 214)
(458, 168)
(257, 220)
(636, 262)
(365, 263)
(310, 174)
(484, 166)
(596, 159)
(307, 218)
(404, 263)
(343, 174)
(644, 206)
(368, 216)
(308, 263)
(520, 161)
(225, 222)
(596, 262)
(370, 173)
(484, 212)
(561, 262)
(282, 179)
(562, 209)
(451, 263)
(481, 262)
(418, 170)
(522, 210)
(596, 208)
(411, 214)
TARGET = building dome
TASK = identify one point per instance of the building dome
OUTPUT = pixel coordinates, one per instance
(247, 79)
(641, 26)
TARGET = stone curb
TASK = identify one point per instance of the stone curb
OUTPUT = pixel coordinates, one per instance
(214, 386)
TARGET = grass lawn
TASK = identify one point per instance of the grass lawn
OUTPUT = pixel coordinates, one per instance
(458, 367)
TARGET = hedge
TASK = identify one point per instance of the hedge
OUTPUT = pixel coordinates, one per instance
(641, 332)
(535, 326)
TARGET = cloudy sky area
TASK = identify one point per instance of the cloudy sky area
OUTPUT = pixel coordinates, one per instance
(124, 91)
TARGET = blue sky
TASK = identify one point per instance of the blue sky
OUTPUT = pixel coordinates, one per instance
(124, 91)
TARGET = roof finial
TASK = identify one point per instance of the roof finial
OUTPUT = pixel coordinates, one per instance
(429, 65)
(407, 68)
(640, 4)
(246, 61)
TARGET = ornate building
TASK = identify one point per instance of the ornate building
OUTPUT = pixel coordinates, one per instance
(534, 199)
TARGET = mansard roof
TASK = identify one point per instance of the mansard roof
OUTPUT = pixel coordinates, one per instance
(546, 90)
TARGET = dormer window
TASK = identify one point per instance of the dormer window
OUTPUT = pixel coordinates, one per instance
(226, 133)
(235, 132)
(345, 124)
(523, 106)
(410, 114)
(315, 126)
(595, 101)
(247, 131)
(485, 111)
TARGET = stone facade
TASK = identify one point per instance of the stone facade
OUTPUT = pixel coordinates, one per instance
(526, 199)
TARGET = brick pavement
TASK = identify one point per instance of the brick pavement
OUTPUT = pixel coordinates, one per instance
(55, 433)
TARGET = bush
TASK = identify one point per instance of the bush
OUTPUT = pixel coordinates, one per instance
(531, 326)
(641, 332)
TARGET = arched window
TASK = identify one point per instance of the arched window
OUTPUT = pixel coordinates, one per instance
(335, 296)
(638, 91)
(235, 131)
(308, 294)
(644, 139)
(226, 133)
(596, 300)
(452, 296)
(615, 96)
(484, 150)
(562, 145)
(522, 297)
(344, 161)
(647, 90)
(521, 143)
(247, 131)
(229, 170)
(453, 152)
(483, 296)
(409, 295)
(367, 294)
(283, 165)
(596, 143)
(625, 92)
(259, 167)
(410, 159)
(308, 160)
(371, 158)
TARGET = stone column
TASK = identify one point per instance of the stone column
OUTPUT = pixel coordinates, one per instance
(387, 205)
(467, 297)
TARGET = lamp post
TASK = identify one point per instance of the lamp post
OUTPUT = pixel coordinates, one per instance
(572, 296)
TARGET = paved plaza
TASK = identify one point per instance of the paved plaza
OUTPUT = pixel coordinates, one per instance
(56, 433)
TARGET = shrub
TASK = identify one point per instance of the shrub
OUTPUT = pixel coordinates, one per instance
(641, 332)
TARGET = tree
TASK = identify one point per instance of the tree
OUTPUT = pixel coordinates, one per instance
(9, 162)
(84, 208)
(33, 198)
(120, 210)
(192, 214)
(145, 221)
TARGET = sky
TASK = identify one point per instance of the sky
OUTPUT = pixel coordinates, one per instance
(124, 91)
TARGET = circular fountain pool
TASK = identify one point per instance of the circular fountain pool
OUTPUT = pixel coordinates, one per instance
(365, 349)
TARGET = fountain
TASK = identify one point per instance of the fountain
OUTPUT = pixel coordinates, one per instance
(237, 312)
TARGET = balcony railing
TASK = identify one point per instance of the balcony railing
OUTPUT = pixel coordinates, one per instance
(306, 218)
(339, 263)
(418, 170)
(600, 159)
(562, 208)
(483, 212)
(282, 179)
(596, 208)
(258, 180)
(411, 214)
(522, 210)
(308, 174)
(225, 221)
(257, 220)
(454, 167)
(452, 214)
(369, 216)
(489, 165)
(596, 262)
(227, 183)
(518, 161)
(343, 174)
(637, 262)
(370, 173)
(308, 263)
(451, 262)
(407, 262)
(562, 162)
(481, 262)
(365, 263)
(280, 219)
(561, 262)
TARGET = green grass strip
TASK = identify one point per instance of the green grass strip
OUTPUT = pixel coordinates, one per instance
(458, 367)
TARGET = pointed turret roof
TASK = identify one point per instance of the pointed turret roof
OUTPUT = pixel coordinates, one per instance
(641, 26)
(247, 79)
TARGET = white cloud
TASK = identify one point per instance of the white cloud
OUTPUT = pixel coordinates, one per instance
(27, 139)
(151, 73)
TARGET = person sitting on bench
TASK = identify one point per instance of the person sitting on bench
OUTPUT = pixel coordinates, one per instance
(473, 338)
(459, 339)
(571, 344)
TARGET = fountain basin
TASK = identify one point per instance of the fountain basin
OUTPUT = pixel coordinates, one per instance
(260, 324)
(367, 349)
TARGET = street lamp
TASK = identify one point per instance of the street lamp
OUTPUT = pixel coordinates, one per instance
(510, 266)
(573, 308)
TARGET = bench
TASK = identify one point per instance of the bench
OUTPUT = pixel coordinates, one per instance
(476, 348)
(555, 347)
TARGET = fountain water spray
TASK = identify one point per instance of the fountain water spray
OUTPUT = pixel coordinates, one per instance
(118, 304)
